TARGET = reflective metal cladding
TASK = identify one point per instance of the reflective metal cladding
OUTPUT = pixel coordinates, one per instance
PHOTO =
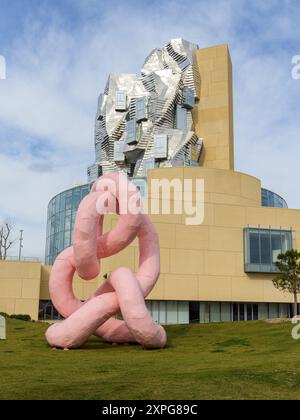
(146, 122)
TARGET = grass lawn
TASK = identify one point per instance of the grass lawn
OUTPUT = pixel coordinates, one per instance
(253, 360)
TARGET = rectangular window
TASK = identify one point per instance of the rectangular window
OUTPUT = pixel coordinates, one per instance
(262, 247)
(131, 134)
(119, 151)
(160, 146)
(183, 312)
(194, 312)
(188, 98)
(141, 113)
(225, 312)
(162, 312)
(121, 100)
(181, 118)
(215, 312)
(172, 312)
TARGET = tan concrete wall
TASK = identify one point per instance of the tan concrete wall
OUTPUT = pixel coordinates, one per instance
(20, 287)
(213, 115)
(206, 262)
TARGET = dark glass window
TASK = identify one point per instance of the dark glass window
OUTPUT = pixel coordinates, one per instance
(271, 199)
(131, 136)
(262, 247)
(235, 312)
(194, 312)
(242, 312)
(249, 312)
(255, 312)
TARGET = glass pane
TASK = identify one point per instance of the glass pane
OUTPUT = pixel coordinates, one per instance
(162, 312)
(254, 247)
(225, 312)
(255, 312)
(286, 241)
(183, 312)
(242, 312)
(273, 310)
(215, 312)
(76, 198)
(181, 118)
(195, 312)
(172, 312)
(263, 311)
(249, 312)
(275, 245)
(69, 200)
(265, 247)
(235, 312)
(155, 311)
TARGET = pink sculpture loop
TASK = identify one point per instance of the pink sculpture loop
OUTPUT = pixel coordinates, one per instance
(124, 290)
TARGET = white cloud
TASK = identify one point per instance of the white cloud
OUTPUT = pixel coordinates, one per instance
(55, 72)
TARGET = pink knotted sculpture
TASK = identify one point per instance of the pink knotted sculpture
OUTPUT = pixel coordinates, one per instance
(123, 291)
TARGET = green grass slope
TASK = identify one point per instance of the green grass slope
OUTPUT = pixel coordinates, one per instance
(253, 360)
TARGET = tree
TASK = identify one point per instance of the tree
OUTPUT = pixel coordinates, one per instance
(6, 240)
(288, 279)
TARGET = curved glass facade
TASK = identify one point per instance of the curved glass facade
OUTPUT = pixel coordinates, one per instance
(60, 220)
(271, 199)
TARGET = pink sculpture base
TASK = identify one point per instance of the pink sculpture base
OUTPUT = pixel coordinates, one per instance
(123, 291)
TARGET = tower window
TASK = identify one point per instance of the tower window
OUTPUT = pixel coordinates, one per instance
(121, 100)
(131, 132)
(181, 118)
(188, 98)
(141, 109)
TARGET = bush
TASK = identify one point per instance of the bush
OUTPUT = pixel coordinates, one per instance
(21, 317)
(4, 314)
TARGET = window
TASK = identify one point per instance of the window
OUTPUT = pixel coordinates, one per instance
(121, 100)
(118, 151)
(160, 146)
(262, 247)
(141, 109)
(131, 132)
(188, 98)
(181, 118)
(194, 312)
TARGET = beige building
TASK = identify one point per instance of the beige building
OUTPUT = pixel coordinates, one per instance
(220, 270)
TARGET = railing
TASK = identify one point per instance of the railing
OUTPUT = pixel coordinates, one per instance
(27, 259)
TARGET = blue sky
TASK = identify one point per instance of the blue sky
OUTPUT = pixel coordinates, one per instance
(60, 52)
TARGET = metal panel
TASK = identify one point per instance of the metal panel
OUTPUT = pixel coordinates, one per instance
(160, 102)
